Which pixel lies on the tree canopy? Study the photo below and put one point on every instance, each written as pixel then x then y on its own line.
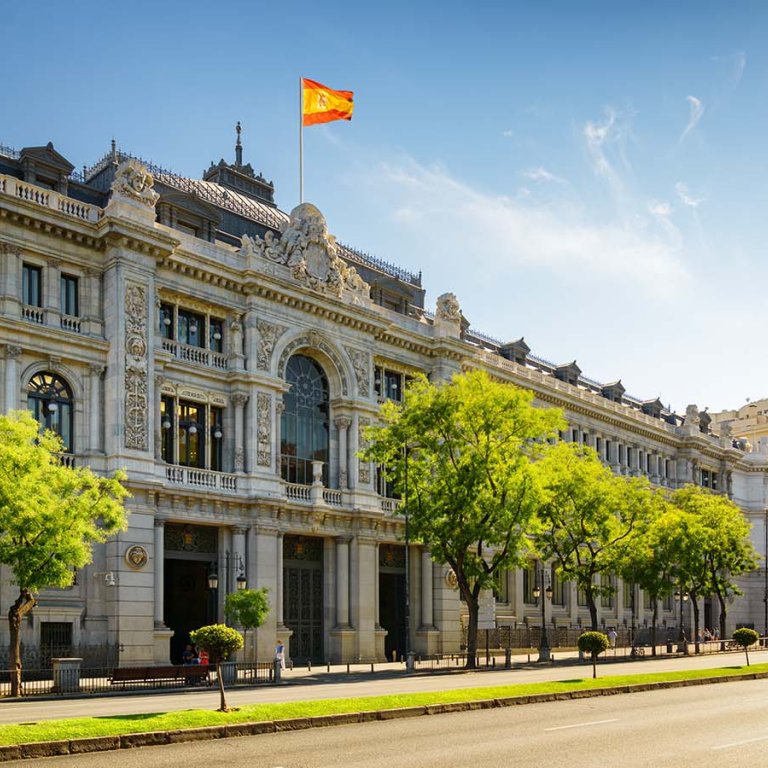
pixel 587 516
pixel 459 453
pixel 50 516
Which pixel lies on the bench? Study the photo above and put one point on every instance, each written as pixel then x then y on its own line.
pixel 191 674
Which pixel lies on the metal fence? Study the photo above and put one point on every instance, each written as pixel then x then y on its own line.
pixel 38 657
pixel 86 680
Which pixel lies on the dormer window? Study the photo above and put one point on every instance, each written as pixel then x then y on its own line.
pixel 569 373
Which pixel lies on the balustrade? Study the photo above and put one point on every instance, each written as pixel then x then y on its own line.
pixel 33 314
pixel 47 198
pixel 200 478
pixel 71 323
pixel 196 355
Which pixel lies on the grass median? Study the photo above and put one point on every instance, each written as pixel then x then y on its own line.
pixel 114 725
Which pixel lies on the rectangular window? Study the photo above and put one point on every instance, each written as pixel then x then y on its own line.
pixel 621 454
pixel 529 582
pixel 32 286
pixel 574 435
pixel 667 602
pixel 629 595
pixel 190 328
pixel 501 585
pixel 606 598
pixel 558 588
pixel 191 434
pixel 599 446
pixel 216 335
pixel 69 296
pixel 581 597
pixel 217 439
pixel 166 321
pixel 648 463
pixel 167 413
pixel 607 450
pixel 393 386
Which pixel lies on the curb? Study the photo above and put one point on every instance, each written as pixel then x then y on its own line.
pixel 155 738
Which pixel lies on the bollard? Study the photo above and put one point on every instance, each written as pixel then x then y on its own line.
pixel 327 666
pixel 493 663
pixel 529 658
pixel 347 668
pixel 309 666
pixel 508 659
pixel 371 667
pixel 278 670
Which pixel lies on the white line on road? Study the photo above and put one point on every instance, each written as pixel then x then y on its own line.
pixel 740 743
pixel 582 725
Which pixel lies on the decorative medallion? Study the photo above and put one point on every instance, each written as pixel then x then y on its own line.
pixel 136 556
pixel 364 467
pixel 391 556
pixel 450 578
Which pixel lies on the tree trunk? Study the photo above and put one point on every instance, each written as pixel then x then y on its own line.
pixel 695 602
pixel 654 619
pixel 723 615
pixel 590 595
pixel 473 608
pixel 23 605
pixel 746 650
pixel 223 705
pixel 594 666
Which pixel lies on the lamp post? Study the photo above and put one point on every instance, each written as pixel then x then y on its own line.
pixel 408 652
pixel 543 595
pixel 682 596
pixel 232 562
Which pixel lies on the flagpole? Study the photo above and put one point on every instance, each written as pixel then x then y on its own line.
pixel 301 142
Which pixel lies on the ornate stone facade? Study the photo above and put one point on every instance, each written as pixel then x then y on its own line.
pixel 264 429
pixel 136 375
pixel 269 333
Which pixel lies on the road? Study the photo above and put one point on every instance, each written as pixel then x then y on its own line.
pixel 724 725
pixel 301 687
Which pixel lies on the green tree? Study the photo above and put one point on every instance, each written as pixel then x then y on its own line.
pixel 50 517
pixel 650 556
pixel 587 516
pixel 221 642
pixel 460 456
pixel 593 643
pixel 746 637
pixel 247 607
pixel 719 534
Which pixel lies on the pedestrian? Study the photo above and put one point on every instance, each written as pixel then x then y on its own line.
pixel 280 654
pixel 612 637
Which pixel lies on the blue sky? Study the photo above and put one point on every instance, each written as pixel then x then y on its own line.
pixel 592 176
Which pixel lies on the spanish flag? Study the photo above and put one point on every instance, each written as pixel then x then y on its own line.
pixel 323 105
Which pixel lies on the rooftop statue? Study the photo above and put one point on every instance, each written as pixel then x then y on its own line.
pixel 135 182
pixel 448 308
pixel 311 253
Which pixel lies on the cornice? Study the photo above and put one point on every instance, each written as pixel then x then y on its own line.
pixel 49 222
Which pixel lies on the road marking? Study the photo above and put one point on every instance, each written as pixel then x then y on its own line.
pixel 741 743
pixel 582 725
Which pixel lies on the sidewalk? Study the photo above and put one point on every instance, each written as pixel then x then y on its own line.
pixel 303 685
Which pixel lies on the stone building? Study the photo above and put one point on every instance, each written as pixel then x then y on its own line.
pixel 229 356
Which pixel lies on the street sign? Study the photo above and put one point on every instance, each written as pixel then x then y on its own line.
pixel 486 617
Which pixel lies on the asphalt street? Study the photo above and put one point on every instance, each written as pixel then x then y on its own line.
pixel 301 685
pixel 723 725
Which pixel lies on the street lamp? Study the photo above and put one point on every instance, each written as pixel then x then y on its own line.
pixel 682 597
pixel 408 652
pixel 544 650
pixel 232 562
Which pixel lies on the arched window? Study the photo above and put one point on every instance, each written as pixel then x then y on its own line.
pixel 304 423
pixel 50 400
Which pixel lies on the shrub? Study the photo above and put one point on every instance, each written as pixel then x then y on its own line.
pixel 593 643
pixel 746 637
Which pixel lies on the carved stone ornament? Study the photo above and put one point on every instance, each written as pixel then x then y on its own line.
pixel 263 429
pixel 134 182
pixel 311 253
pixel 692 416
pixel 269 333
pixel 450 578
pixel 136 556
pixel 448 308
pixel 364 467
pixel 361 362
pixel 313 340
pixel 136 376
pixel 10 250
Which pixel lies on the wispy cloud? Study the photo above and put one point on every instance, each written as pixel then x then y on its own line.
pixel 696 110
pixel 686 198
pixel 540 175
pixel 508 134
pixel 501 233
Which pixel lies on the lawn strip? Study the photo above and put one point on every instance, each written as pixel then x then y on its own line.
pixel 113 725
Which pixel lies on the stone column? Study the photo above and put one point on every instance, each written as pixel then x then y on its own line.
pixel 238 553
pixel 279 586
pixel 276 432
pixel 342 424
pixel 342 582
pixel 159 572
pixel 239 400
pixel 51 290
pixel 12 354
pixel 94 416
pixel 427 620
pixel 159 420
pixel 613 457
